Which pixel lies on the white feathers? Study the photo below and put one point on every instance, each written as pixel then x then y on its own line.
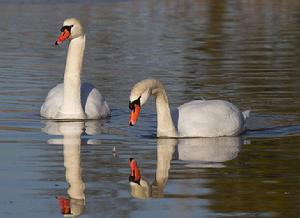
pixel 73 99
pixel 92 102
pixel 200 118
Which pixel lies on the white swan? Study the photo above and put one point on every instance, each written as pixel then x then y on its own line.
pixel 71 99
pixel 200 118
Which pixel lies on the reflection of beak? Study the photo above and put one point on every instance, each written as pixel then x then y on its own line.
pixel 135 175
pixel 134 114
pixel 63 36
pixel 64 205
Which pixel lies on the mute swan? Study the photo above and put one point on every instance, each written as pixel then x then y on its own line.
pixel 73 99
pixel 200 118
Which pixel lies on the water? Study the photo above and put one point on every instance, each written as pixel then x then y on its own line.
pixel 246 52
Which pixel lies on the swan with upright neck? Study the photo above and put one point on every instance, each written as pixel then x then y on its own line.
pixel 199 118
pixel 73 99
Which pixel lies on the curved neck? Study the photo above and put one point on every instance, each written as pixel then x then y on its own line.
pixel 165 150
pixel 72 82
pixel 165 125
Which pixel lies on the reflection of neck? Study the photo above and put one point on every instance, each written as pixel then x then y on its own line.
pixel 72 82
pixel 72 144
pixel 165 150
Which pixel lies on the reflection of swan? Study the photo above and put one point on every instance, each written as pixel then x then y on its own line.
pixel 199 118
pixel 71 99
pixel 71 141
pixel 165 150
pixel 209 152
pixel 200 150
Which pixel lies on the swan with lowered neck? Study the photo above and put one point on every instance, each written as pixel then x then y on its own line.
pixel 199 118
pixel 73 99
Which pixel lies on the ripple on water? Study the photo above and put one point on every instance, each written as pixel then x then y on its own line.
pixel 242 51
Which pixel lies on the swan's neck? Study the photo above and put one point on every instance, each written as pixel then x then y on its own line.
pixel 72 99
pixel 165 125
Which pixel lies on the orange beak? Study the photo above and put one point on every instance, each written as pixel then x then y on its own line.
pixel 135 175
pixel 64 205
pixel 134 114
pixel 62 37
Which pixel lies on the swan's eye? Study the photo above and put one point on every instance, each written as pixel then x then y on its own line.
pixel 131 107
pixel 135 102
pixel 66 28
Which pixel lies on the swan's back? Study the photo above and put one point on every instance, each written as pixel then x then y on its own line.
pixel 93 103
pixel 210 118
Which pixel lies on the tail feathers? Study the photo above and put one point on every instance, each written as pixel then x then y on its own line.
pixel 246 114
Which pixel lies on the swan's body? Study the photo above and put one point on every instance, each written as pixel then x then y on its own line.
pixel 209 118
pixel 73 99
pixel 92 103
pixel 200 118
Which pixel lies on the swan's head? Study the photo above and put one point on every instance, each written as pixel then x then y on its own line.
pixel 71 29
pixel 139 95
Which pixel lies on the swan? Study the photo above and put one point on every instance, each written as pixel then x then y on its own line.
pixel 73 99
pixel 199 118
